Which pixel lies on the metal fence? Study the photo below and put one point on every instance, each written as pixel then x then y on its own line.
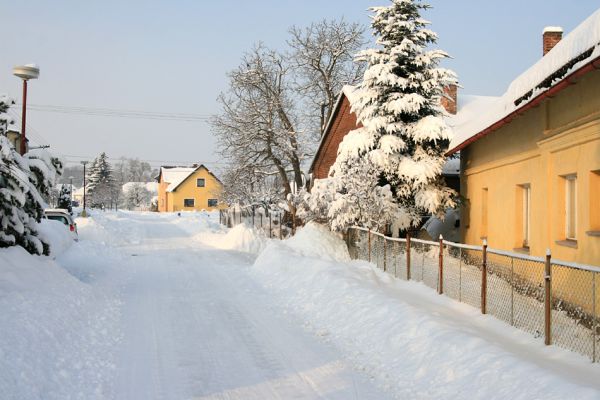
pixel 266 220
pixel 550 299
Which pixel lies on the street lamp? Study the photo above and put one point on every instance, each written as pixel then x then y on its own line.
pixel 84 213
pixel 25 72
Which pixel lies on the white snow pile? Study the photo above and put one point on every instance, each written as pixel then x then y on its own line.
pixel 57 333
pixel 240 238
pixel 315 240
pixel 584 37
pixel 56 234
pixel 411 341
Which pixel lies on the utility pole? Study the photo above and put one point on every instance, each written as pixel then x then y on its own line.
pixel 84 213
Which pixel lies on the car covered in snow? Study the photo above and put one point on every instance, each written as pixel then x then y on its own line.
pixel 63 216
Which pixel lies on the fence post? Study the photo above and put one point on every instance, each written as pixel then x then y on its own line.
pixel 408 256
pixel 270 225
pixel 384 254
pixel 369 245
pixel 484 279
pixel 548 300
pixel 441 267
pixel 253 213
pixel 280 234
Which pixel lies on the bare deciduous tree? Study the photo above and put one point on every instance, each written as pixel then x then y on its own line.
pixel 269 123
pixel 323 57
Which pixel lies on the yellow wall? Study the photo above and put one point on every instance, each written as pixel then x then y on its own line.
pixel 560 137
pixel 174 201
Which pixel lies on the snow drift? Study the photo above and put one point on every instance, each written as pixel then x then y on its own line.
pixel 57 333
pixel 413 342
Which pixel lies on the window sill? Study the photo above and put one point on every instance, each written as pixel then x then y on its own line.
pixel 567 243
pixel 593 233
pixel 522 250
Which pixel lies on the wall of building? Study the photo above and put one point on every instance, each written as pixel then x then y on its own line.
pixel 162 195
pixel 539 148
pixel 344 122
pixel 201 195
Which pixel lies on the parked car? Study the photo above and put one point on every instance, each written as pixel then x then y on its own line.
pixel 58 214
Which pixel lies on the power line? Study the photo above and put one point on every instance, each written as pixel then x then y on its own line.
pixel 31 131
pixel 120 113
pixel 75 158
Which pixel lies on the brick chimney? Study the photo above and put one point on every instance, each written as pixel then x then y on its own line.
pixel 449 99
pixel 552 35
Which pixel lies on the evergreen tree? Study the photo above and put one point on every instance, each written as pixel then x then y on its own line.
pixel 101 187
pixel 398 153
pixel 64 199
pixel 23 182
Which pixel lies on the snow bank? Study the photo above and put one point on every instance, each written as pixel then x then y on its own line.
pixel 56 234
pixel 57 333
pixel 315 240
pixel 240 238
pixel 412 341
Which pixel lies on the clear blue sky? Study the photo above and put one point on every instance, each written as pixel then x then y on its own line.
pixel 172 56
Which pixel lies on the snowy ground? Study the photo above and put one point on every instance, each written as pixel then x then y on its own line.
pixel 150 306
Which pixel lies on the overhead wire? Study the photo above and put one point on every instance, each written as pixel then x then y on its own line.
pixel 31 131
pixel 120 113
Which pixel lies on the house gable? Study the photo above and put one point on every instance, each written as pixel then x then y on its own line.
pixel 188 189
pixel 342 121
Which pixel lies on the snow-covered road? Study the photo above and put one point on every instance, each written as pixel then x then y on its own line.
pixel 195 326
pixel 153 306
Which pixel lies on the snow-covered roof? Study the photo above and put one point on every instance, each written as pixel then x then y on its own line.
pixel 175 176
pixel 577 49
pixel 468 108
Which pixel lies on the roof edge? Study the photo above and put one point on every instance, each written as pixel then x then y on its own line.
pixel 567 81
pixel 336 110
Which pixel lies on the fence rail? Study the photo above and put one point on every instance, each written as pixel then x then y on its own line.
pixel 551 299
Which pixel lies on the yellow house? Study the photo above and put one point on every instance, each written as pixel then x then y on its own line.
pixel 530 164
pixel 188 189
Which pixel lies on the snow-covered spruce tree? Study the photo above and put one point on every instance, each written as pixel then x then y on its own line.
pixel 64 199
pixel 390 169
pixel 101 185
pixel 21 203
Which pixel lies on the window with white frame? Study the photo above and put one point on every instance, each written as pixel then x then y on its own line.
pixel 571 207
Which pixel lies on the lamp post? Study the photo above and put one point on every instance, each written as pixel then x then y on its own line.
pixel 84 213
pixel 25 72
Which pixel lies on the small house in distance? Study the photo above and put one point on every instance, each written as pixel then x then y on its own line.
pixel 530 164
pixel 192 188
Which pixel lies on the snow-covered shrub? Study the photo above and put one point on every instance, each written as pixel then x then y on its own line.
pixel 389 170
pixel 24 181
